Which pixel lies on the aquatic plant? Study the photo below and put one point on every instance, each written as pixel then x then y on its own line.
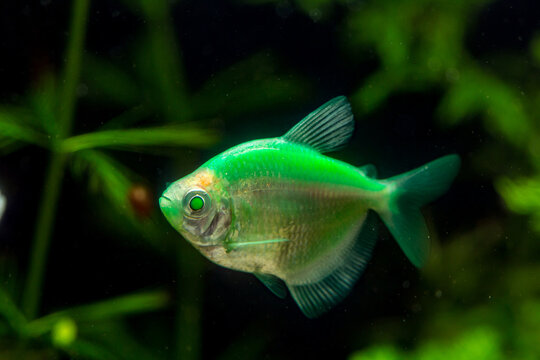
pixel 46 117
pixel 46 120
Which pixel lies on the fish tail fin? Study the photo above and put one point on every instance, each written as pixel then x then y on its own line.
pixel 409 192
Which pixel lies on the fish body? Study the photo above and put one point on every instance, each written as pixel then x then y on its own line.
pixel 276 195
pixel 280 209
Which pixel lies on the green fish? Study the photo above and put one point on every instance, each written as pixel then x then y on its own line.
pixel 297 219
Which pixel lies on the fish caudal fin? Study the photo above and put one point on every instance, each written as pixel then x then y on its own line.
pixel 410 191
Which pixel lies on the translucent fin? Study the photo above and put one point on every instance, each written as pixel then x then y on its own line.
pixel 317 298
pixel 273 283
pixel 257 242
pixel 325 129
pixel 412 190
pixel 369 170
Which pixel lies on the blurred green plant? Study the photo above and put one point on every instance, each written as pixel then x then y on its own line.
pixel 477 344
pixel 421 47
pixel 46 121
pixel 155 90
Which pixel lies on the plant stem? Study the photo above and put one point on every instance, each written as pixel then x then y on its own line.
pixel 167 61
pixel 103 310
pixel 189 299
pixel 53 182
pixel 73 66
pixel 47 210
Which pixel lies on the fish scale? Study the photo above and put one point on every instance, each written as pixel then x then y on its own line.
pixel 297 219
pixel 297 200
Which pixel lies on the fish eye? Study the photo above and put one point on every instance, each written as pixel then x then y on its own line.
pixel 196 202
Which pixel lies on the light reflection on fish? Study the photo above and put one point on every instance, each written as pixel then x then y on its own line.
pixel 281 210
pixel 2 205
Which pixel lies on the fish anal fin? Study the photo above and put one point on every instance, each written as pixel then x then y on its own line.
pixel 273 283
pixel 317 297
pixel 326 129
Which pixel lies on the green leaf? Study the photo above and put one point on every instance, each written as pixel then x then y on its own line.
pixel 114 182
pixel 521 195
pixel 477 92
pixel 17 124
pixel 111 339
pixel 105 175
pixel 480 343
pixel 376 90
pixel 134 139
pixel 10 312
pixel 90 350
pixel 104 310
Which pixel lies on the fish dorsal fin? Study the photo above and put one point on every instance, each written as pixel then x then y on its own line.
pixel 317 297
pixel 326 129
pixel 273 283
pixel 368 170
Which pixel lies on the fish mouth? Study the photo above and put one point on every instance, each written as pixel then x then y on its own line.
pixel 167 208
pixel 164 201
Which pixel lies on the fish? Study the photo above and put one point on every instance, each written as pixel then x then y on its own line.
pixel 297 219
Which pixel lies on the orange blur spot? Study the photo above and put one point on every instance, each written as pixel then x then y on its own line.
pixel 205 178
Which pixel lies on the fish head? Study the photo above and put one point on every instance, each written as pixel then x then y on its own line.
pixel 198 207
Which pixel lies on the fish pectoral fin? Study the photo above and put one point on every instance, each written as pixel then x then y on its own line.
pixel 255 242
pixel 273 283
pixel 326 129
pixel 317 297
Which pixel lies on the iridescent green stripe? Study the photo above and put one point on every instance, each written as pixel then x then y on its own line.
pixel 275 158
